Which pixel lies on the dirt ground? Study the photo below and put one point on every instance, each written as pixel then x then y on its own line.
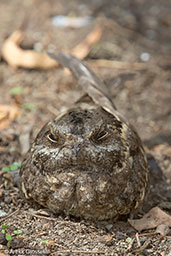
pixel 134 31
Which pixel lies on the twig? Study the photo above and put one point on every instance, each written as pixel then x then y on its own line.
pixel 11 214
pixel 138 240
pixel 41 217
pixel 146 243
pixel 148 234
pixel 130 245
pixel 124 65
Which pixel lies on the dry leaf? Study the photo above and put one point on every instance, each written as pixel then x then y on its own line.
pixel 8 113
pixel 17 57
pixel 163 229
pixel 42 212
pixel 51 243
pixel 83 48
pixel 152 219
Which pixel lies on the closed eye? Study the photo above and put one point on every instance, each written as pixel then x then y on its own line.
pixel 52 138
pixel 101 135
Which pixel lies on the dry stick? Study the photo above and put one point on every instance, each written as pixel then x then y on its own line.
pixel 148 234
pixel 11 214
pixel 146 243
pixel 124 65
pixel 138 240
pixel 119 64
pixel 41 217
pixel 130 245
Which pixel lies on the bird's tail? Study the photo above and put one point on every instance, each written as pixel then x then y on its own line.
pixel 90 83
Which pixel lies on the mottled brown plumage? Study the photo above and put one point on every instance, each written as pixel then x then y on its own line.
pixel 89 161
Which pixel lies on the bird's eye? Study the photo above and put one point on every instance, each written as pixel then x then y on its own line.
pixel 101 135
pixel 52 138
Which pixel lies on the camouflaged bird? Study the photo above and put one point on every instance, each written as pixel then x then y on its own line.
pixel 89 161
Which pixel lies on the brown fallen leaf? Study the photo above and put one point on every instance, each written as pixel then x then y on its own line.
pixel 17 57
pixel 152 219
pixel 8 113
pixel 163 229
pixel 82 49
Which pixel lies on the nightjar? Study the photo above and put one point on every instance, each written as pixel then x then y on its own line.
pixel 89 161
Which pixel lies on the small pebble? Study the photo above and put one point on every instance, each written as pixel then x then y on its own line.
pixel 145 56
pixel 109 227
pixel 2 213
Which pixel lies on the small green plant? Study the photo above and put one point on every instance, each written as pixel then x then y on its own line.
pixel 29 106
pixel 17 90
pixel 6 169
pixel 13 167
pixel 3 228
pixel 17 232
pixel 8 237
pixel 45 241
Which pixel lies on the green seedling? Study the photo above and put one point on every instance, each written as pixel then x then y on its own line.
pixel 17 90
pixel 3 228
pixel 6 169
pixel 45 241
pixel 29 106
pixel 17 232
pixel 8 237
pixel 13 167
